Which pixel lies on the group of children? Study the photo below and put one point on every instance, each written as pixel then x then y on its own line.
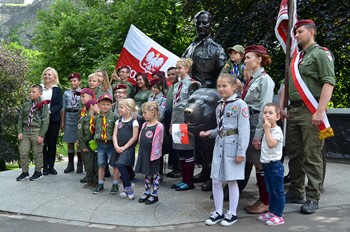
pixel 115 133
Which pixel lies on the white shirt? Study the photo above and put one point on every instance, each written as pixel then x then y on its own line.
pixel 275 153
pixel 47 93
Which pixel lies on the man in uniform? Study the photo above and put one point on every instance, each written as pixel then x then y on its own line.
pixel 316 68
pixel 208 57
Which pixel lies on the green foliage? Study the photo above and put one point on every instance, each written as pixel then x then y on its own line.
pixel 13 67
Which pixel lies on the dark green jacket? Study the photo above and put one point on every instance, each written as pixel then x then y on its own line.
pixel 111 118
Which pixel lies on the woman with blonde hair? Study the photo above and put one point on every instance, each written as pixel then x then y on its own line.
pixel 104 80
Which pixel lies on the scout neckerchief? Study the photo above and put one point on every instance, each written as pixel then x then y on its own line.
pixel 74 101
pixel 179 87
pixel 222 110
pixel 307 97
pixel 92 125
pixel 31 112
pixel 83 110
pixel 104 128
pixel 236 71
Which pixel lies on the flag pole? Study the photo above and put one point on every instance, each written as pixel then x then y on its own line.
pixel 287 62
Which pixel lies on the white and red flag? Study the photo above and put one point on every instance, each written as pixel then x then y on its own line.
pixel 281 28
pixel 180 133
pixel 142 54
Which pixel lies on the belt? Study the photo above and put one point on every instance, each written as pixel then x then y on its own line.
pixel 31 130
pixel 71 110
pixel 300 103
pixel 103 142
pixel 228 132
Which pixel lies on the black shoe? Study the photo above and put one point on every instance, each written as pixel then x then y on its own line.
pixel 84 180
pixel 229 220
pixel 36 176
pixel 70 168
pixel 45 172
pixel 214 218
pixel 23 176
pixel 79 167
pixel 151 200
pixel 52 171
pixel 144 198
pixel 291 198
pixel 309 207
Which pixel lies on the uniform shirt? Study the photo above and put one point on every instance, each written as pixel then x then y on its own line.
pixel 110 120
pixel 70 100
pixel 184 94
pixel 316 68
pixel 275 153
pixel 141 97
pixel 161 100
pixel 229 68
pixel 84 133
pixel 40 118
pixel 98 92
pixel 260 92
pixel 208 59
pixel 169 96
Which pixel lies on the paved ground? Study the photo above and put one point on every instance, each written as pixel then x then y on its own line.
pixel 62 200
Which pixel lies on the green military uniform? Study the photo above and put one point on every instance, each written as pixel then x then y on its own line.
pixel 304 146
pixel 111 118
pixel 229 68
pixel 99 92
pixel 84 137
pixel 38 127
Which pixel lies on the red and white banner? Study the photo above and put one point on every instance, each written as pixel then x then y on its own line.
pixel 180 133
pixel 142 54
pixel 307 97
pixel 281 28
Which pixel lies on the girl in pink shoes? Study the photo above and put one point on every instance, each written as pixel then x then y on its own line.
pixel 150 152
pixel 232 139
pixel 271 154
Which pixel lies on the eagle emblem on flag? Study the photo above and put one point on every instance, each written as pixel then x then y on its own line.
pixel 153 60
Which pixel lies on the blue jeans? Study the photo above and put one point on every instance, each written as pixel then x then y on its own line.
pixel 104 153
pixel 274 173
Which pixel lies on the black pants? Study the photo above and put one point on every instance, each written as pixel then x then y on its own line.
pixel 124 175
pixel 50 141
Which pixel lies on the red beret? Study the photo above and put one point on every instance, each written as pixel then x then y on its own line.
pixel 156 81
pixel 120 86
pixel 123 66
pixel 105 96
pixel 87 91
pixel 304 22
pixel 90 102
pixel 159 73
pixel 255 48
pixel 74 75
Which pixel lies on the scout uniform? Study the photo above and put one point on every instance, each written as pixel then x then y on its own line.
pixel 33 121
pixel 99 93
pixel 71 107
pixel 86 131
pixel 231 140
pixel 304 146
pixel 160 98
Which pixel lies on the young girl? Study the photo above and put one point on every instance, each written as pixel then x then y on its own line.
pixel 150 152
pixel 232 138
pixel 94 83
pixel 185 151
pixel 124 139
pixel 158 96
pixel 105 85
pixel 69 121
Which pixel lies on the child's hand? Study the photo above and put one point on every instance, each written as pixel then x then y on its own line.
pixel 40 139
pixel 267 124
pixel 20 136
pixel 62 126
pixel 204 133
pixel 239 159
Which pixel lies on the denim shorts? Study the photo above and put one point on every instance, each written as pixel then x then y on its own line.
pixel 104 153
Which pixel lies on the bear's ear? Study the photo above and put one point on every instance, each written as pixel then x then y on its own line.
pixel 193 87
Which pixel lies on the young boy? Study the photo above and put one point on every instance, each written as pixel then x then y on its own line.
pixel 104 124
pixel 234 64
pixel 69 121
pixel 271 154
pixel 86 94
pixel 33 122
pixel 86 131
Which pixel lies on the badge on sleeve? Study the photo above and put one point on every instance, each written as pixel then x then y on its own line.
pixel 329 55
pixel 79 126
pixel 245 112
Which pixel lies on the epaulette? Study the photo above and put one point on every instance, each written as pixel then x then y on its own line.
pixel 324 49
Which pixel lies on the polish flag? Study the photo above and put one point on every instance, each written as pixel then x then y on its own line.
pixel 282 26
pixel 180 133
pixel 142 54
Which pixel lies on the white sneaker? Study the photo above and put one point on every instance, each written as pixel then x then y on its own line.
pixel 214 218
pixel 229 219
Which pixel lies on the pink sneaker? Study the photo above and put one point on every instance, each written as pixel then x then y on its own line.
pixel 275 221
pixel 266 216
